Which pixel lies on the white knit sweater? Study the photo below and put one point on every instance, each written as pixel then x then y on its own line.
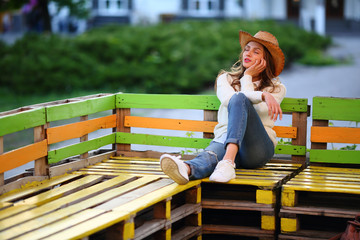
pixel 225 91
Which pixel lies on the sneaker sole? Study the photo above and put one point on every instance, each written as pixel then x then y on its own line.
pixel 170 168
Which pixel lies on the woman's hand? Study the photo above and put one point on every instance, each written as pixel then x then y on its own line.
pixel 257 68
pixel 273 106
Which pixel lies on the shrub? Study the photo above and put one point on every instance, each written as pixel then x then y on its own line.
pixel 181 57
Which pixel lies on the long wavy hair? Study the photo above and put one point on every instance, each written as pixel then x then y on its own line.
pixel 237 72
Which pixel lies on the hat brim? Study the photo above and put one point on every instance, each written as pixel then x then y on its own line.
pixel 275 51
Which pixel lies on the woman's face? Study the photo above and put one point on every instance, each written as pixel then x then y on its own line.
pixel 253 51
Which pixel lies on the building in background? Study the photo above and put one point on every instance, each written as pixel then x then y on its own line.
pixel 321 16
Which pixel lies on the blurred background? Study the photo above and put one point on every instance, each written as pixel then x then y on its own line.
pixel 54 49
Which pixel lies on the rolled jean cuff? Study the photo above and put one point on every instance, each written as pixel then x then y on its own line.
pixel 232 140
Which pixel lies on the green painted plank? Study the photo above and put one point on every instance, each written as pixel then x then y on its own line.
pixel 200 143
pixel 294 105
pixel 167 101
pixel 290 149
pixel 146 139
pixel 80 108
pixel 343 109
pixel 57 155
pixel 334 156
pixel 22 120
pixel 206 102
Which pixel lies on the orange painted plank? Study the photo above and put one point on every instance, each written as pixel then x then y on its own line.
pixel 285 132
pixel 172 124
pixel 79 129
pixel 191 125
pixel 335 134
pixel 20 156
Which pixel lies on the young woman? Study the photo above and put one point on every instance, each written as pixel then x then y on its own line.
pixel 250 96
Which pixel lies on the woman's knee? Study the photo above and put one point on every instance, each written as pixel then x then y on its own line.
pixel 238 99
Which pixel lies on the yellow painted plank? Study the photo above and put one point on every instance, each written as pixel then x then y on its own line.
pixel 129 174
pixel 155 197
pixel 56 204
pixel 252 182
pixel 91 226
pixel 59 191
pixel 124 171
pixel 288 197
pixel 335 134
pixel 340 186
pixel 34 187
pixel 79 129
pixel 134 158
pixel 120 162
pixel 14 210
pixel 265 196
pixel 328 178
pixel 5 205
pixel 331 169
pixel 288 225
pixel 267 222
pixel 323 189
pixel 61 225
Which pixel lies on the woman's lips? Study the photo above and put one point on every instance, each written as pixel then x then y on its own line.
pixel 247 60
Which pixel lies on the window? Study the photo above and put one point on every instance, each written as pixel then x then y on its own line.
pixel 204 7
pixel 113 7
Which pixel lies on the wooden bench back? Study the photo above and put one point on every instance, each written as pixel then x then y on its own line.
pixel 209 104
pixel 326 109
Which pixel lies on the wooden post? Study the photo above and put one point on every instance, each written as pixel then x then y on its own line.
pixel 120 127
pixel 162 210
pixel 84 138
pixel 41 165
pixel 2 181
pixel 319 123
pixel 299 120
pixel 209 115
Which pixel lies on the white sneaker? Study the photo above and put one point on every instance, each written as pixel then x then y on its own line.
pixel 175 168
pixel 224 171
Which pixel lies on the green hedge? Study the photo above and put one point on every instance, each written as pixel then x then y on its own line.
pixel 182 57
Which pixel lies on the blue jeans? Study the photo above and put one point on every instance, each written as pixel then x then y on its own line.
pixel 244 129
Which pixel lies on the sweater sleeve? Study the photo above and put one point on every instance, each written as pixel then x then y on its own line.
pixel 224 91
pixel 247 88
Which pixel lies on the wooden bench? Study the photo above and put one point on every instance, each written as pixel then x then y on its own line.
pixel 318 202
pixel 121 192
pixel 253 192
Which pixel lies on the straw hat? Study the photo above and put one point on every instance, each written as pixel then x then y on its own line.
pixel 270 42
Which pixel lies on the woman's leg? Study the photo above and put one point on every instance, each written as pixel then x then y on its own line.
pixel 247 133
pixel 204 163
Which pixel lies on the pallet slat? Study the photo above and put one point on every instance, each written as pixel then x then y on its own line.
pixel 77 130
pixel 335 134
pixel 334 156
pixel 57 155
pixel 22 120
pixel 326 108
pixel 21 156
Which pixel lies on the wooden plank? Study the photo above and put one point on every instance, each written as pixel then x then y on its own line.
pixel 91 226
pixel 58 192
pixel 167 101
pixel 156 196
pixel 290 149
pixel 76 130
pixel 334 156
pixel 22 120
pixel 209 115
pixel 146 139
pixel 20 156
pixel 294 105
pixel 330 108
pixel 61 225
pixel 299 120
pixel 57 155
pixel 172 124
pixel 41 166
pixel 61 208
pixel 335 134
pixel 121 113
pixel 192 125
pixel 322 188
pixel 1 152
pixel 80 108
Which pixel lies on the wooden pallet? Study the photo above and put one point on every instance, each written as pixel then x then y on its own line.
pixel 76 205
pixel 247 203
pixel 325 195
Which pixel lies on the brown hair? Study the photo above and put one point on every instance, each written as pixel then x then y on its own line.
pixel 237 72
